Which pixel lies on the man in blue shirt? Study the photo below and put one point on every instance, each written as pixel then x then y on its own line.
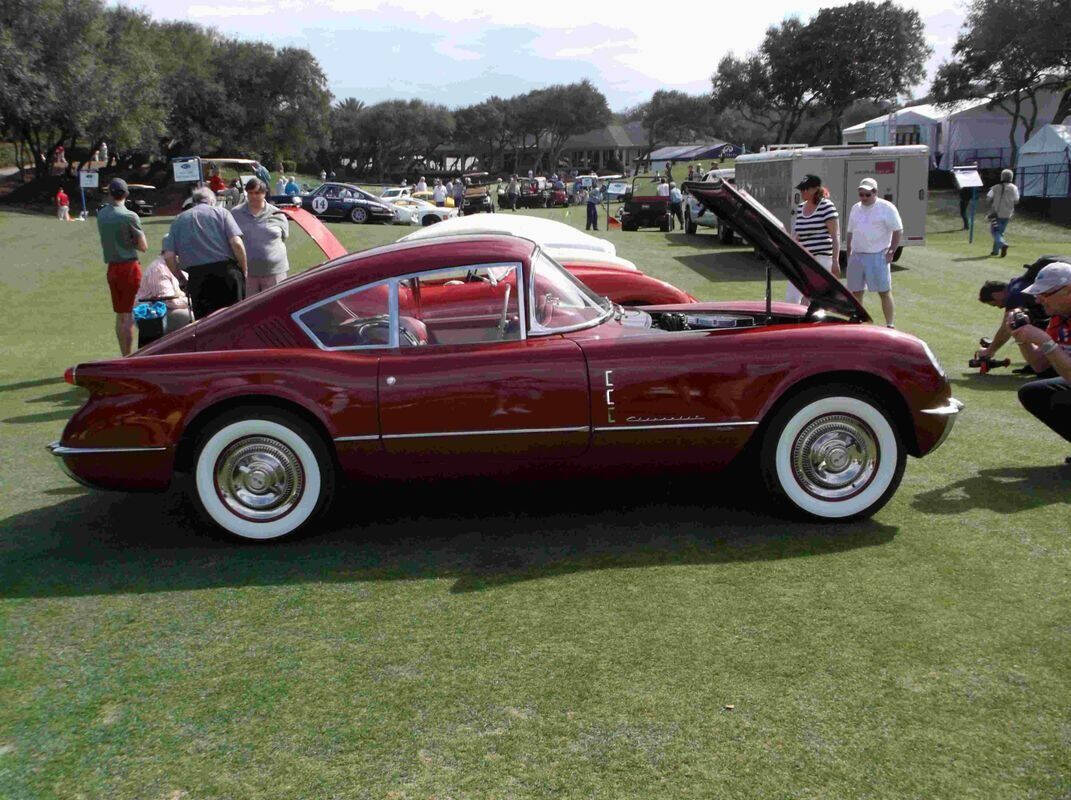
pixel 207 243
pixel 676 200
pixel 594 198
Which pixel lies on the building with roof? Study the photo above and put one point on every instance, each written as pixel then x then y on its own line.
pixel 966 132
pixel 617 143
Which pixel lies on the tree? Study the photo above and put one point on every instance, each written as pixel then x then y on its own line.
pixel 1010 51
pixel 771 88
pixel 571 109
pixel 673 116
pixel 864 51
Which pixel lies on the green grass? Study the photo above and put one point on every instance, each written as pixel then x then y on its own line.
pixel 558 640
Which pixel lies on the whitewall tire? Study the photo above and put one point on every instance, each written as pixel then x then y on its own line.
pixel 833 453
pixel 261 474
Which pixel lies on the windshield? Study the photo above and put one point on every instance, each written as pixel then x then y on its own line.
pixel 558 301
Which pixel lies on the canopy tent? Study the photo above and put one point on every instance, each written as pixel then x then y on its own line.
pixel 1044 161
pixel 686 153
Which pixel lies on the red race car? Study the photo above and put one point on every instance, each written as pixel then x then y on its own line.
pixel 482 356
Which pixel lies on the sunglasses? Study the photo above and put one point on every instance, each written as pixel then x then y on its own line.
pixel 866 194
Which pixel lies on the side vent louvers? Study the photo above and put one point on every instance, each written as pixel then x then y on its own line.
pixel 274 333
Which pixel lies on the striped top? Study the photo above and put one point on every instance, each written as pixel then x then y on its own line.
pixel 812 231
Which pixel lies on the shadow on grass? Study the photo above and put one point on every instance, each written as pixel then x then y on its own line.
pixel 1005 491
pixel 992 382
pixel 479 534
pixel 986 257
pixel 12 387
pixel 727 265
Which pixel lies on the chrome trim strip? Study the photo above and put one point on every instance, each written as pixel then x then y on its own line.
pixel 369 438
pixel 56 449
pixel 745 424
pixel 504 431
pixel 949 409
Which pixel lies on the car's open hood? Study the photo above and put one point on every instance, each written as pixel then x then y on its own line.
pixel 749 218
pixel 317 231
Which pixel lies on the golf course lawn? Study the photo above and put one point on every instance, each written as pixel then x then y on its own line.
pixel 672 638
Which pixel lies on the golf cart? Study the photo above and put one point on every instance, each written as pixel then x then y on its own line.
pixel 478 194
pixel 233 175
pixel 134 203
pixel 645 207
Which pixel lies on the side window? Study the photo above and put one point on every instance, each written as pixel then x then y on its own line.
pixel 330 192
pixel 460 306
pixel 358 319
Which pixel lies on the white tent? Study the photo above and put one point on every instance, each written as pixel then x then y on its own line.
pixel 1044 161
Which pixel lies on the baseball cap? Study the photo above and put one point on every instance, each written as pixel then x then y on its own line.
pixel 809 182
pixel 118 186
pixel 1053 276
pixel 869 184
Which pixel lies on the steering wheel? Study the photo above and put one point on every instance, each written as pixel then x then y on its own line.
pixel 503 323
pixel 545 308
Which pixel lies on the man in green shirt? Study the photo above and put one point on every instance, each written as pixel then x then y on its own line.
pixel 121 238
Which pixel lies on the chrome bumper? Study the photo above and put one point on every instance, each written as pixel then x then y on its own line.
pixel 949 411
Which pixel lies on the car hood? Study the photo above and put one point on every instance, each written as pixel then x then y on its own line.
pixel 749 218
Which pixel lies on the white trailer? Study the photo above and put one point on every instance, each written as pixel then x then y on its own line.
pixel 901 173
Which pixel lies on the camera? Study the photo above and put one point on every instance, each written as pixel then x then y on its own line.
pixel 1019 318
pixel 987 363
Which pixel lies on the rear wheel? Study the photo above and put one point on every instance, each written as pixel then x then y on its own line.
pixel 833 453
pixel 262 474
pixel 664 226
pixel 725 233
pixel 358 214
pixel 429 219
pixel 689 227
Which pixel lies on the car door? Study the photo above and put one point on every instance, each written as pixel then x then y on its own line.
pixel 321 201
pixel 466 383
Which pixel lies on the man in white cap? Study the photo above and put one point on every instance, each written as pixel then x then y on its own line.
pixel 1049 399
pixel 874 231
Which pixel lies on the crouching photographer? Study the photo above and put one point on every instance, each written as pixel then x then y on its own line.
pixel 1007 296
pixel 1049 399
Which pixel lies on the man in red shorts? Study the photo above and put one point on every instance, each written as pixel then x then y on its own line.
pixel 121 238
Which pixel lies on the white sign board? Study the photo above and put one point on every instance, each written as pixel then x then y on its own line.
pixel 89 180
pixel 186 171
pixel 617 188
pixel 967 178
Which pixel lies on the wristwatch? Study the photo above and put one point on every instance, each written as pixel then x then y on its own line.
pixel 1049 347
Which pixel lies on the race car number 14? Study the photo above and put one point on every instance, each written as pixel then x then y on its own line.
pixel 319 204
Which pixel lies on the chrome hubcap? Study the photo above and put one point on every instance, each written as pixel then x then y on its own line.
pixel 835 457
pixel 259 478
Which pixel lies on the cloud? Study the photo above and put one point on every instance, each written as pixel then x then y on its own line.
pixel 450 52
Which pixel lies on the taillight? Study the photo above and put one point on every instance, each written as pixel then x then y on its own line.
pixel 68 375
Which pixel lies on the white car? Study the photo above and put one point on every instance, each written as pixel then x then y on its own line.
pixel 411 211
pixel 392 193
pixel 695 216
pixel 546 232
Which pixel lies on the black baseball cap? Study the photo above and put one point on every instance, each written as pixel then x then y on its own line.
pixel 809 182
pixel 118 187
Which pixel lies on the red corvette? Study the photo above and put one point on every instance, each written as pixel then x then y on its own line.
pixel 481 355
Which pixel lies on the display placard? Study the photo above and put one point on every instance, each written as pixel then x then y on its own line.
pixel 186 170
pixel 89 180
pixel 967 178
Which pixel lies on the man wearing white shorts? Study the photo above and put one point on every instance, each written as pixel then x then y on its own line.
pixel 874 231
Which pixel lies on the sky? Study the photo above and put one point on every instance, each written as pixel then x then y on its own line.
pixel 459 52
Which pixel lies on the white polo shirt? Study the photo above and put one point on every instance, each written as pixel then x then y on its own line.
pixel 872 227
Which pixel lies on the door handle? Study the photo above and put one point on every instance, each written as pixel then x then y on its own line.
pixel 391 380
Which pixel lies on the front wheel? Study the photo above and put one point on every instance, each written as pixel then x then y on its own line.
pixel 358 215
pixel 833 453
pixel 262 474
pixel 689 227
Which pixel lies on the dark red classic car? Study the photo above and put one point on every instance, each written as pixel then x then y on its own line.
pixel 481 355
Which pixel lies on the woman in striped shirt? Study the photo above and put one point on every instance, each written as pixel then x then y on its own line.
pixel 814 226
